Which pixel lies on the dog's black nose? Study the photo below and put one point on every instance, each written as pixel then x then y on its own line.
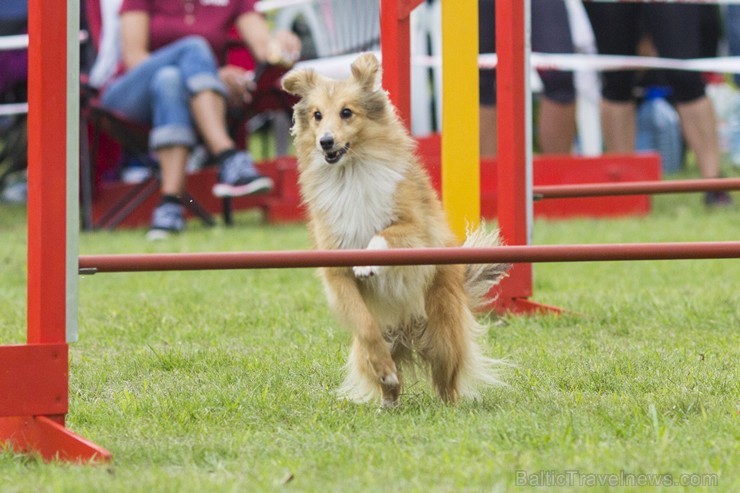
pixel 327 142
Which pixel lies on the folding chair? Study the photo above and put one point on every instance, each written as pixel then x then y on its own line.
pixel 133 140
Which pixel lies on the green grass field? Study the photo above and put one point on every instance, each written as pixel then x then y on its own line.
pixel 224 381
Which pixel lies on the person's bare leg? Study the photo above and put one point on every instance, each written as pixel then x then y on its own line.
pixel 172 161
pixel 700 129
pixel 619 126
pixel 488 131
pixel 209 113
pixel 556 126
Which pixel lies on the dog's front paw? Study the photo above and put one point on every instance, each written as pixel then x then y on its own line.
pixel 366 271
pixel 377 242
pixel 389 379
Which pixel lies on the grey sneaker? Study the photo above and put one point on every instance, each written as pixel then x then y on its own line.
pixel 167 218
pixel 15 193
pixel 238 177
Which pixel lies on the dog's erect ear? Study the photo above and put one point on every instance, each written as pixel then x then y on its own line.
pixel 299 82
pixel 366 71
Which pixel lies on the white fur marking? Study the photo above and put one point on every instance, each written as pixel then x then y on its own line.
pixel 355 199
pixel 376 243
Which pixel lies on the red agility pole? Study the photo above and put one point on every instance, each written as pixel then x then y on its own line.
pixel 34 376
pixel 395 26
pixel 514 143
pixel 90 264
pixel 634 188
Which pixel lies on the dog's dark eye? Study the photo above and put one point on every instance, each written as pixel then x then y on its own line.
pixel 317 116
pixel 345 113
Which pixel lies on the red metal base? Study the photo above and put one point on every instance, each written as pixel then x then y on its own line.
pixel 523 306
pixel 33 379
pixel 34 389
pixel 47 436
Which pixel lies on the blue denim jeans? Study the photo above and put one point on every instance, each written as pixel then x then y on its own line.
pixel 158 90
pixel 732 19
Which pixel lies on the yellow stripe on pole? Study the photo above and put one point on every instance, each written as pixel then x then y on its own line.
pixel 460 146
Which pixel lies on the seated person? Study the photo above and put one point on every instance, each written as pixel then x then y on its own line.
pixel 172 79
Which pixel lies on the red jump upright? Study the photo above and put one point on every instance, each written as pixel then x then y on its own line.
pixel 34 376
pixel 395 25
pixel 514 169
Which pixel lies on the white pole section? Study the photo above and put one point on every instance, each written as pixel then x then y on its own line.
pixel 73 166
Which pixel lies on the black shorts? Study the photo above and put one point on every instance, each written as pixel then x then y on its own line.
pixel 675 31
pixel 550 34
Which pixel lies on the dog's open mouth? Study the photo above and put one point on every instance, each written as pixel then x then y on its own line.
pixel 334 156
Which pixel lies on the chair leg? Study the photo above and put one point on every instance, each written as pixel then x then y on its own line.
pixel 86 177
pixel 227 211
pixel 127 204
pixel 197 209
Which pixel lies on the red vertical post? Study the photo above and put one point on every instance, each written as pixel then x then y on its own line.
pixel 512 142
pixel 35 388
pixel 47 201
pixel 395 46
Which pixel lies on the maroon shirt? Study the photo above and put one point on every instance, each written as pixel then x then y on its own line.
pixel 171 20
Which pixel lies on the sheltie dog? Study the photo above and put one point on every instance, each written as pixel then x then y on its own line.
pixel 363 187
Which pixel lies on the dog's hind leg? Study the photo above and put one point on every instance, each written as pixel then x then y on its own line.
pixel 444 344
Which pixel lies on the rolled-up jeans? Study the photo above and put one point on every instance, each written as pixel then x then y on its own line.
pixel 157 92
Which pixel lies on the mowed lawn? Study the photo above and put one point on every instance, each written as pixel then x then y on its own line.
pixel 224 380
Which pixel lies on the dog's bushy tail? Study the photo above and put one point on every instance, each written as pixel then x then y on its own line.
pixel 480 278
pixel 478 370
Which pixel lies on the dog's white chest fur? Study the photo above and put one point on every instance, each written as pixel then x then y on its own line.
pixel 355 201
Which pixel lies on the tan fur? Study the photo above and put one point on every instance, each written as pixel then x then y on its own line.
pixel 377 195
